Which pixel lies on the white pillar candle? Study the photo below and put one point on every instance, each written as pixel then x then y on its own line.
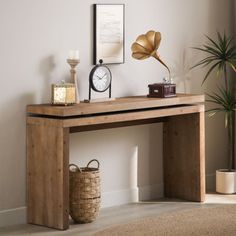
pixel 74 54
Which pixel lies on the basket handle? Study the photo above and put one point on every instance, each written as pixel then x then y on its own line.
pixel 93 161
pixel 76 168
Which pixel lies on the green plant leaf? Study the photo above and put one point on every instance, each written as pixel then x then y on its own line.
pixel 221 40
pixel 204 62
pixel 214 111
pixel 221 55
pixel 212 51
pixel 201 49
pixel 232 66
pixel 227 41
pixel 226 119
pixel 230 51
pixel 224 99
pixel 213 42
pixel 209 71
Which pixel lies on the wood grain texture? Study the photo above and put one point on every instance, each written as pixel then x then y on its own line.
pixel 48 129
pixel 184 157
pixel 131 116
pixel 115 125
pixel 47 175
pixel 119 104
pixel 116 118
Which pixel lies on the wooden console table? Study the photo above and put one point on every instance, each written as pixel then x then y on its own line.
pixel 48 129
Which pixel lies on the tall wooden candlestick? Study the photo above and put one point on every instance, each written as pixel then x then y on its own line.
pixel 73 63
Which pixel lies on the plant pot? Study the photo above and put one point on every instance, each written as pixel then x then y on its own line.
pixel 225 181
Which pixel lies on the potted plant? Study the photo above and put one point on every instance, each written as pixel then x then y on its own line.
pixel 220 57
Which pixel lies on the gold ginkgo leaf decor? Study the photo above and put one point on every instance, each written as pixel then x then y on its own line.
pixel 146 45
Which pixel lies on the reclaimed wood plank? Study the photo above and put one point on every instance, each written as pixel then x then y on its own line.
pixel 184 157
pixel 119 104
pixel 47 176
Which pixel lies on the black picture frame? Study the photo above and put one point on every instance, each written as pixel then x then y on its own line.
pixel 109 33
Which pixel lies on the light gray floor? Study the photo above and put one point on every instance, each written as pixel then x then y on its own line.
pixel 119 215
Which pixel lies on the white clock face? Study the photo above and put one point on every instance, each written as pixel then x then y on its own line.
pixel 101 78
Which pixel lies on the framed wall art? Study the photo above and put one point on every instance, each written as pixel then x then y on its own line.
pixel 109 33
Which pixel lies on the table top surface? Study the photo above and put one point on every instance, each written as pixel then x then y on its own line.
pixel 117 105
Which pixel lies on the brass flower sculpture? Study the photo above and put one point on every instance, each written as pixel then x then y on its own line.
pixel 146 45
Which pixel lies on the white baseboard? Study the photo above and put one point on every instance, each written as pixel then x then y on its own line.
pixel 119 197
pixel 211 182
pixel 125 196
pixel 18 215
pixel 151 192
pixel 13 216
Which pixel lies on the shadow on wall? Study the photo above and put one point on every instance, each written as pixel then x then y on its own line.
pixel 156 160
pixel 13 137
pixel 181 72
pixel 46 68
pixel 13 151
pixel 150 164
pixel 91 34
pixel 233 9
pixel 215 17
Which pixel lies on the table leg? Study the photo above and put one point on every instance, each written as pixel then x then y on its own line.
pixel 184 157
pixel 47 175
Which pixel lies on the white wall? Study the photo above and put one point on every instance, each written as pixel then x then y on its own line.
pixel 35 39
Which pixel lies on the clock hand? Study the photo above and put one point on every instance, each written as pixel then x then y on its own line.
pixel 103 76
pixel 99 77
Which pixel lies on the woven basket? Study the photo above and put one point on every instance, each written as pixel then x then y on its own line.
pixel 85 192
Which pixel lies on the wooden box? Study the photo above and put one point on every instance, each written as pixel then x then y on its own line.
pixel 162 90
pixel 63 94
